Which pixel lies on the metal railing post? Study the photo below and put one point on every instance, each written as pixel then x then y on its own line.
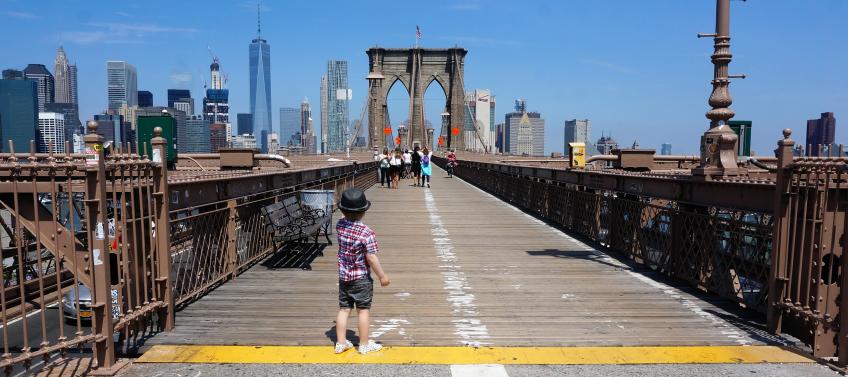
pixel 232 239
pixel 98 248
pixel 163 228
pixel 780 246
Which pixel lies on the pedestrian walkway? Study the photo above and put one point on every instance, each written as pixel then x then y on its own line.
pixel 467 270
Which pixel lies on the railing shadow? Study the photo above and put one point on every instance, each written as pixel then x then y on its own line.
pixel 293 255
pixel 573 254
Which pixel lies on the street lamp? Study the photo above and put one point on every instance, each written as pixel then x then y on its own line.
pixel 445 133
pixel 718 144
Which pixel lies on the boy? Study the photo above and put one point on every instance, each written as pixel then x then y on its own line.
pixel 357 256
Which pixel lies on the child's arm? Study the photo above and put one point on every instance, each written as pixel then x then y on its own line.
pixel 374 262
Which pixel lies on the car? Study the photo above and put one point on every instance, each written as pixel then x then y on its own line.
pixel 69 303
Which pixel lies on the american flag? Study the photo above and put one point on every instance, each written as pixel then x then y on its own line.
pixel 417 32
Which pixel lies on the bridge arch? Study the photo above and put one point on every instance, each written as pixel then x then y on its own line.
pixel 416 68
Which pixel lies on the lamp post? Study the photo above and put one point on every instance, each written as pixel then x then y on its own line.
pixel 445 126
pixel 718 144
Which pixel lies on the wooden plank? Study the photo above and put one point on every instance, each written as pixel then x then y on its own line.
pixel 458 257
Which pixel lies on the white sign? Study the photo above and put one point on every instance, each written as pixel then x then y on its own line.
pixel 157 155
pixel 96 255
pixel 98 231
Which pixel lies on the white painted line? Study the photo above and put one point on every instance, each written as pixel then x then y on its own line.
pixel 727 329
pixel 30 314
pixel 480 370
pixel 463 306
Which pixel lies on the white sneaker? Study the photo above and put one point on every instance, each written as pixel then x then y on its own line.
pixel 370 347
pixel 343 347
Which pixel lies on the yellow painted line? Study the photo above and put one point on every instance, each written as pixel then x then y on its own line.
pixel 469 355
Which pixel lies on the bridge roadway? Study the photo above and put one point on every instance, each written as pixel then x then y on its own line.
pixel 467 269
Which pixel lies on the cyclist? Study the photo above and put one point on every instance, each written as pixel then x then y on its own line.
pixel 451 162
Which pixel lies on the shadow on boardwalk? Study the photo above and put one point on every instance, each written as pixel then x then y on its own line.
pixel 295 256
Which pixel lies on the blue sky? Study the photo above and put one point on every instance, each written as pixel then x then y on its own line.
pixel 634 68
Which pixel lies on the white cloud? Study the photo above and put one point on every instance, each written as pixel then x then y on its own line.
pixel 120 33
pixel 472 40
pixel 124 29
pixel 179 78
pixel 21 15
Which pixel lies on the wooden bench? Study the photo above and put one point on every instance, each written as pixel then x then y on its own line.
pixel 289 221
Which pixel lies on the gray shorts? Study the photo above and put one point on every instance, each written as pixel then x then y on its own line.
pixel 358 292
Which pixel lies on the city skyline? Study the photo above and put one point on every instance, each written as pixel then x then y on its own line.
pixel 613 81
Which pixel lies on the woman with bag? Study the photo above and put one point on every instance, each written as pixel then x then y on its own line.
pixel 426 168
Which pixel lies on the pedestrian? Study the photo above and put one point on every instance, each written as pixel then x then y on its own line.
pixel 377 158
pixel 407 164
pixel 384 168
pixel 426 167
pixel 357 257
pixel 395 166
pixel 416 165
pixel 452 163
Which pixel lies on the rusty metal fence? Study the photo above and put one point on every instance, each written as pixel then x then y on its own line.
pixel 94 259
pixel 809 268
pixel 214 242
pixel 721 250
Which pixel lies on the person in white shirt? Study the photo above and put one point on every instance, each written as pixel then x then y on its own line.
pixel 407 164
pixel 395 164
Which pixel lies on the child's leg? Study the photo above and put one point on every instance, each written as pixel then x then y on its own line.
pixel 341 325
pixel 363 321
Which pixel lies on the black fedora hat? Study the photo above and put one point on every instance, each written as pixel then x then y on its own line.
pixel 353 200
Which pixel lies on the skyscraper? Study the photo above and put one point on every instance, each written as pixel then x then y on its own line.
pixel 525 131
pixel 577 131
pixel 45 83
pixel 307 130
pixel 324 118
pixel 180 99
pixel 13 74
pixel 51 132
pixel 145 98
pixel 666 149
pixel 65 94
pixel 245 123
pixel 260 86
pixel 197 138
pixel 820 133
pixel 480 120
pixel 216 104
pixel 338 98
pixel 18 113
pixel 122 84
pixel 290 126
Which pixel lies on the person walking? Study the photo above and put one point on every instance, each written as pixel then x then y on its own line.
pixel 395 166
pixel 416 165
pixel 407 164
pixel 357 258
pixel 426 166
pixel 384 168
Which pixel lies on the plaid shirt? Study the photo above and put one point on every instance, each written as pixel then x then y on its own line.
pixel 355 240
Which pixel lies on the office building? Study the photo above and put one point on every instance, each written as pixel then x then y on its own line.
pixel 338 98
pixel 70 111
pixel 820 134
pixel 260 87
pixel 606 144
pixel 112 127
pixel 180 99
pixel 13 74
pixel 122 84
pixel 217 136
pixel 51 133
pixel 577 131
pixel 18 114
pixel 290 124
pixel 145 98
pixel 666 149
pixel 244 141
pixel 216 107
pixel 307 130
pixel 65 78
pixel 245 123
pixel 197 139
pixel 500 137
pixel 45 83
pixel 479 121
pixel 324 119
pixel 525 131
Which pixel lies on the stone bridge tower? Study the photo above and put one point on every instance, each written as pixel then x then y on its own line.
pixel 416 69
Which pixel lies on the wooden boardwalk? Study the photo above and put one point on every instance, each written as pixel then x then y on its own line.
pixel 466 268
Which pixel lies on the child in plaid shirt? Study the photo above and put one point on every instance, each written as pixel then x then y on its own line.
pixel 357 257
